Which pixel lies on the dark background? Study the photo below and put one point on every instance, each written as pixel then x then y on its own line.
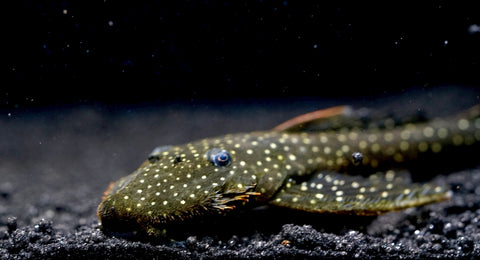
pixel 89 89
pixel 131 51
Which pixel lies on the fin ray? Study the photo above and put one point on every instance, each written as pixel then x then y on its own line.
pixel 345 194
pixel 320 116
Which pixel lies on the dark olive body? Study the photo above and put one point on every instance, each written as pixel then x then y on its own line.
pixel 290 166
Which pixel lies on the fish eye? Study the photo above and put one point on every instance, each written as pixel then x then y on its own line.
pixel 218 157
pixel 357 158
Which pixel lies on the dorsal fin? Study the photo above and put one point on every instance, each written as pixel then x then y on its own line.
pixel 345 117
pixel 318 118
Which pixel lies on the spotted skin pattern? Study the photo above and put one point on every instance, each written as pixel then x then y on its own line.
pixel 286 167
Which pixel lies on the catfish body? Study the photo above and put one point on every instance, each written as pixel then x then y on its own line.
pixel 287 167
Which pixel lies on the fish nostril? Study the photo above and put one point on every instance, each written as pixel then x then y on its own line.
pixel 177 159
pixel 153 158
pixel 155 154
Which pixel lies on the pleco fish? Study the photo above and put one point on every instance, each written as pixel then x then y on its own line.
pixel 327 161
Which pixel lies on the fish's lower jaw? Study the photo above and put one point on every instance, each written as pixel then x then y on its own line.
pixel 127 228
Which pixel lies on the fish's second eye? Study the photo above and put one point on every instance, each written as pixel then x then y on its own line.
pixel 218 157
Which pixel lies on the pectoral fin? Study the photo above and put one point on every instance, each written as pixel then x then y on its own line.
pixel 344 194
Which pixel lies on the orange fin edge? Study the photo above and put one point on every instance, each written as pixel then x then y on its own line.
pixel 311 116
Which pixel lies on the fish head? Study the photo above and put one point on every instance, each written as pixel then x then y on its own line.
pixel 173 185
